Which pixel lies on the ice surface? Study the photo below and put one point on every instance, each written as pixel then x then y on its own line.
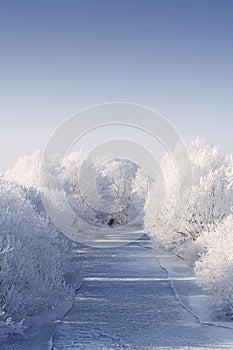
pixel 136 298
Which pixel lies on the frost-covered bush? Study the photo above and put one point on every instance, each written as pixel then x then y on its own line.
pixel 35 261
pixel 214 269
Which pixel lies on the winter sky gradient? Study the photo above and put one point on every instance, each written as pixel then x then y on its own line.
pixel 58 57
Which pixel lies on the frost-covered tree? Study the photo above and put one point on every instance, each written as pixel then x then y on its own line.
pixel 26 171
pixel 123 182
pixel 119 181
pixel 139 196
pixel 205 200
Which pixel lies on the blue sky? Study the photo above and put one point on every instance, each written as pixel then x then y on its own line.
pixel 58 57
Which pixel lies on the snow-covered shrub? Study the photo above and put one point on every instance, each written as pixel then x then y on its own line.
pixel 34 259
pixel 214 269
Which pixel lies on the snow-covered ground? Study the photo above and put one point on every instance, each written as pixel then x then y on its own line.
pixel 136 297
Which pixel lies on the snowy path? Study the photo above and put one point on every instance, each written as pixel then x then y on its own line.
pixel 127 302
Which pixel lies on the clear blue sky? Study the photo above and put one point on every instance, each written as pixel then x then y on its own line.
pixel 58 56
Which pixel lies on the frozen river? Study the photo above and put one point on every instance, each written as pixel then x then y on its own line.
pixel 127 301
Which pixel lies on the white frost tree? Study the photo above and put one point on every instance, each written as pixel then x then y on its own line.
pixel 206 200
